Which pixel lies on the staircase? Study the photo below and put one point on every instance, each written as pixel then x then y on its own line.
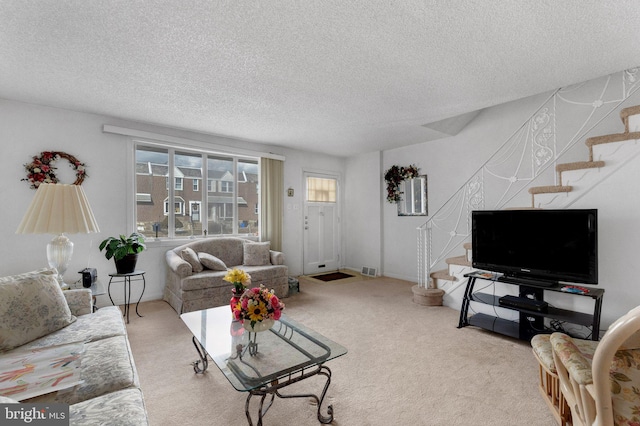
pixel 579 177
pixel 547 183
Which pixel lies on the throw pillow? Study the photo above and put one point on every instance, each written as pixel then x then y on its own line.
pixel 211 262
pixel 31 307
pixel 257 254
pixel 42 271
pixel 190 256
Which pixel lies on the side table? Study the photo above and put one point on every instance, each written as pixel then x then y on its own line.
pixel 126 279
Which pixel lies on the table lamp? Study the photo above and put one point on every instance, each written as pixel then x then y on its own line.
pixel 59 209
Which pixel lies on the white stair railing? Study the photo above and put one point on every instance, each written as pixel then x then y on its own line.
pixel 528 156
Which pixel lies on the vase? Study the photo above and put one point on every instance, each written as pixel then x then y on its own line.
pixel 233 302
pixel 259 326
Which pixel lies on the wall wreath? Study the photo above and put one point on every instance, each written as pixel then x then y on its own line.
pixel 394 176
pixel 42 169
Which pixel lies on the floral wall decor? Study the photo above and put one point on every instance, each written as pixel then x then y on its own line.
pixel 394 176
pixel 42 168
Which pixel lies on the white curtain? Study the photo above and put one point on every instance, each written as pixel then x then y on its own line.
pixel 271 201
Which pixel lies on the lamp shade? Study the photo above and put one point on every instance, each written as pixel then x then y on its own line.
pixel 57 209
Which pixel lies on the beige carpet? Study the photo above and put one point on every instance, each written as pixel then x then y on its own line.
pixel 407 365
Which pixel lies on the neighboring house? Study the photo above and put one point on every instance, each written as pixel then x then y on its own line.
pixel 152 199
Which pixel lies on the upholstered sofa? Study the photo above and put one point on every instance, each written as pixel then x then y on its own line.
pixel 195 271
pixel 36 315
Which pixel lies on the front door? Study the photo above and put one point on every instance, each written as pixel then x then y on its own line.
pixel 321 224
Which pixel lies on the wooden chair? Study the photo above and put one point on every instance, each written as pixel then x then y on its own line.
pixel 605 390
pixel 549 386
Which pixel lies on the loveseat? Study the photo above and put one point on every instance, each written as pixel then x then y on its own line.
pixel 36 316
pixel 195 271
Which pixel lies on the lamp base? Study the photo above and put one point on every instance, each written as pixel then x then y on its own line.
pixel 59 251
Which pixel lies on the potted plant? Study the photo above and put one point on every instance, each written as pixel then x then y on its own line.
pixel 124 251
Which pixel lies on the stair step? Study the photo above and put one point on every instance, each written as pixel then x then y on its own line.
pixel 551 189
pixel 458 260
pixel 615 137
pixel 467 246
pixel 626 113
pixel 442 275
pixel 578 165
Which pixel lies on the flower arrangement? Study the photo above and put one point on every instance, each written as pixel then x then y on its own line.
pixel 240 280
pixel 394 176
pixel 42 170
pixel 258 304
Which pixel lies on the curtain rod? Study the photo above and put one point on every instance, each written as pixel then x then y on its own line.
pixel 224 149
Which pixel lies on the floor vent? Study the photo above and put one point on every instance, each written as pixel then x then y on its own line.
pixel 370 272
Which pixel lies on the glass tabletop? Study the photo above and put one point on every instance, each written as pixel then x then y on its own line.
pixel 97 288
pixel 251 360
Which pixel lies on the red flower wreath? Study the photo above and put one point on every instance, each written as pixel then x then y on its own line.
pixel 42 170
pixel 394 176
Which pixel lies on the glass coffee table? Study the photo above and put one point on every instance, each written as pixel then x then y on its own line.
pixel 263 363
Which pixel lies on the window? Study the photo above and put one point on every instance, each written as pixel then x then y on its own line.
pixel 177 185
pixel 247 195
pixel 178 206
pixel 232 186
pixel 321 190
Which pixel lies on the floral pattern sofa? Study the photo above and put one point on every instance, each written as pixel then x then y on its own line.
pixel 195 271
pixel 624 373
pixel 36 313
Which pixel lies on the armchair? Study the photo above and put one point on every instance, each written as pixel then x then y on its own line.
pixel 605 390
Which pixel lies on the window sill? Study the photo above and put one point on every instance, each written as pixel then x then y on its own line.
pixel 174 242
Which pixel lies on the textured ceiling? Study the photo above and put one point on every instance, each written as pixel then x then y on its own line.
pixel 335 76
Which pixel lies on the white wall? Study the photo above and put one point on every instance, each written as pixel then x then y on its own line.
pixel 26 130
pixel 363 212
pixel 448 163
pixel 618 204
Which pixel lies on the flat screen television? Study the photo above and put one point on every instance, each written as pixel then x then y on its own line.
pixel 547 245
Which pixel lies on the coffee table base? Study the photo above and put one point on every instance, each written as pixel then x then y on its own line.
pixel 203 358
pixel 273 389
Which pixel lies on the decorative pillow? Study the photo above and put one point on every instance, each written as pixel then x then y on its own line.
pixel 31 307
pixel 190 256
pixel 42 271
pixel 257 254
pixel 209 261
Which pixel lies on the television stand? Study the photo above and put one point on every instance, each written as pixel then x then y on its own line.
pixel 527 281
pixel 531 320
